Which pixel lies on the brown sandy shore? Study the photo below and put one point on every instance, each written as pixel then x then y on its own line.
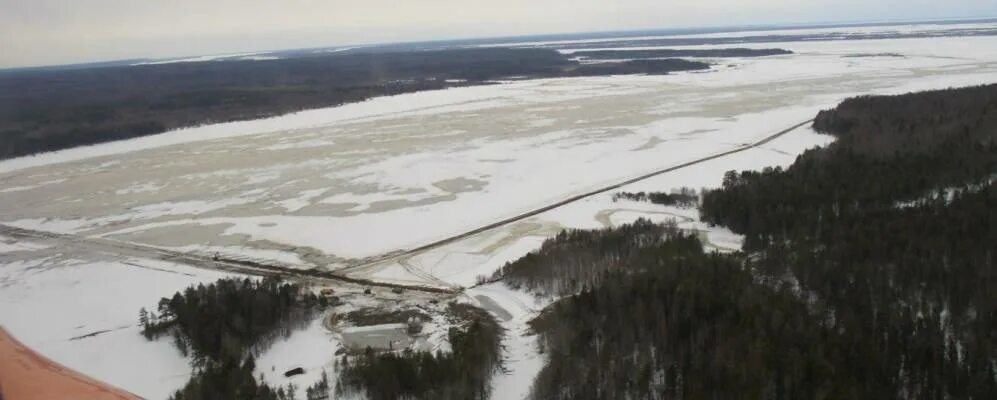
pixel 26 375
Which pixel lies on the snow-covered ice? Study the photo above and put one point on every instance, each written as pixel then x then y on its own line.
pixel 330 188
pixel 831 33
pixel 398 172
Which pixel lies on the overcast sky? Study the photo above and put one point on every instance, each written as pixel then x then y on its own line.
pixel 42 32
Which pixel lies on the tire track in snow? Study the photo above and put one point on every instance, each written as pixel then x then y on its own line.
pixel 519 217
pixel 253 267
pixel 240 266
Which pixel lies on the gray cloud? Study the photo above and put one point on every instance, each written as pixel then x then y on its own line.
pixel 34 32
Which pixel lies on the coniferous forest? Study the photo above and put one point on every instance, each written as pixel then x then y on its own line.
pixel 867 272
pixel 224 325
pixel 221 326
pixel 684 197
pixel 463 373
pixel 51 109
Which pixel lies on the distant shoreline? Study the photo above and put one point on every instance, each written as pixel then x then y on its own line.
pixel 621 34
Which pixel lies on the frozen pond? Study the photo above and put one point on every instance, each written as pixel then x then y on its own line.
pixel 377 337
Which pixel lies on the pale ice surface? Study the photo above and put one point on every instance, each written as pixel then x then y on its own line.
pixel 214 57
pixel 834 33
pixel 327 188
pixel 10 245
pixel 398 172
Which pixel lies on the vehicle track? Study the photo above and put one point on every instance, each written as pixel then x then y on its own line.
pixel 260 268
pixel 519 217
pixel 241 266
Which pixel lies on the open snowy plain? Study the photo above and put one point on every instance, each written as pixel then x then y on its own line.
pixel 344 189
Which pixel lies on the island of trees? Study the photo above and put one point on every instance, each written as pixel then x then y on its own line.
pixel 682 198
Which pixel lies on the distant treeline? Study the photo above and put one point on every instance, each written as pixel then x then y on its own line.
pixel 463 373
pixel 45 110
pixel 762 37
pixel 649 67
pixel 669 53
pixel 222 326
pixel 869 273
pixel 684 197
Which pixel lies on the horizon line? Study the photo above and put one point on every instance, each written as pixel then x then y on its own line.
pixel 497 39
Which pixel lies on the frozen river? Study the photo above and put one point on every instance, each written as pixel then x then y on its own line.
pixel 328 188
pixel 331 188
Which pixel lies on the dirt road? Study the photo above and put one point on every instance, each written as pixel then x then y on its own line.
pixel 572 199
pixel 347 275
pixel 247 267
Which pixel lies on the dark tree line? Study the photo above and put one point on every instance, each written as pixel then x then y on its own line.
pixel 869 273
pixel 577 258
pixel 229 380
pixel 684 197
pixel 52 109
pixel 889 149
pixel 45 110
pixel 464 373
pixel 663 53
pixel 319 390
pixel 631 67
pixel 891 230
pixel 223 325
pixel 683 324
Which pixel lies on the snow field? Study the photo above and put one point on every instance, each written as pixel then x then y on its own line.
pixel 326 188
